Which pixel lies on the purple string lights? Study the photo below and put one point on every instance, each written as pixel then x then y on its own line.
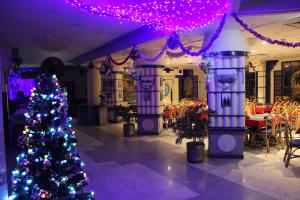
pixel 163 15
pixel 264 38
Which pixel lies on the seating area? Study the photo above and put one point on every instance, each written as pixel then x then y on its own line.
pixel 274 125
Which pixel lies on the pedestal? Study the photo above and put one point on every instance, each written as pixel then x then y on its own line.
pixel 226 143
pixel 149 124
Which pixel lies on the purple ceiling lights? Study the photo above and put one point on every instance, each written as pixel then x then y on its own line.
pixel 164 15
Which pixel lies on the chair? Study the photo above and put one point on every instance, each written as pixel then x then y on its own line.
pixel 280 110
pixel 292 145
pixel 250 109
pixel 271 130
pixel 295 119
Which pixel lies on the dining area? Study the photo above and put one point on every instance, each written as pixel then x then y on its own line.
pixel 273 127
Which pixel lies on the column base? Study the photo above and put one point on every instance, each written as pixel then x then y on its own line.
pixel 149 124
pixel 226 142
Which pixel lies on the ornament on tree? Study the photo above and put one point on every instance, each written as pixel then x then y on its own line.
pixel 48 167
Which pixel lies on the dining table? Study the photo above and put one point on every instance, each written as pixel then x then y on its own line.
pixel 260 109
pixel 256 122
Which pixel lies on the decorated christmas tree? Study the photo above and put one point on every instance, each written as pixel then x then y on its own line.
pixel 49 167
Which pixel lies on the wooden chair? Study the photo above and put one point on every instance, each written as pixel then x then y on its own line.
pixel 271 130
pixel 250 109
pixel 292 145
pixel 280 110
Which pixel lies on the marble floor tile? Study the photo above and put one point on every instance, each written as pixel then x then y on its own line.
pixel 154 167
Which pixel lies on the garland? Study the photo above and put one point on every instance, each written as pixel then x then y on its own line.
pixel 209 44
pixel 158 56
pixel 130 55
pixel 176 54
pixel 264 38
pixel 173 43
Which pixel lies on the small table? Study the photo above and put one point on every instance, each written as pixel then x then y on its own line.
pixel 255 123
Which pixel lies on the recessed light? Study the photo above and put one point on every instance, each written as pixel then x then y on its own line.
pixel 253 51
pixel 264 42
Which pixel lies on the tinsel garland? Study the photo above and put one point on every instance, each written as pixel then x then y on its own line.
pixel 130 55
pixel 176 54
pixel 158 56
pixel 264 38
pixel 209 44
pixel 173 43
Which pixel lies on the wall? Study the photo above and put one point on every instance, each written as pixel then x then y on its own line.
pixel 5 61
pixel 278 67
pixel 172 79
pixel 79 80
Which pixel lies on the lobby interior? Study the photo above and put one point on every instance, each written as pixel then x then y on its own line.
pixel 129 79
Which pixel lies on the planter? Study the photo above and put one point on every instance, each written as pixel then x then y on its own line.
pixel 111 117
pixel 195 152
pixel 128 129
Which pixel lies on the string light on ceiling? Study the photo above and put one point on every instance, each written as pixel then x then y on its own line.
pixel 163 15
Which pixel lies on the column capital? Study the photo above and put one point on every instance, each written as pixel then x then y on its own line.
pixel 228 40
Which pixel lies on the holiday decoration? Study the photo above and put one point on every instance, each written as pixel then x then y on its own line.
pixel 166 15
pixel 48 166
pixel 15 83
pixel 264 38
pixel 130 55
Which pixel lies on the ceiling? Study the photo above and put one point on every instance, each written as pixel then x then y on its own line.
pixel 52 28
pixel 276 26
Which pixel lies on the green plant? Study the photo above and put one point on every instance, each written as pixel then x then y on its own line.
pixel 193 126
pixel 126 113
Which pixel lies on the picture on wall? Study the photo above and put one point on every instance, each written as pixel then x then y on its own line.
pixel 188 85
pixel 295 85
pixel 129 89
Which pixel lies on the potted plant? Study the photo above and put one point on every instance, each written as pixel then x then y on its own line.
pixel 113 115
pixel 128 115
pixel 193 126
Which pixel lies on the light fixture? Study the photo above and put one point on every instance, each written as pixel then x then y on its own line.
pixel 264 42
pixel 253 51
pixel 167 15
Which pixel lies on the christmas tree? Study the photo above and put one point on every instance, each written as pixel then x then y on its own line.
pixel 48 167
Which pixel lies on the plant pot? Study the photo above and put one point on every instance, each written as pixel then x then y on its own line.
pixel 195 152
pixel 128 129
pixel 111 117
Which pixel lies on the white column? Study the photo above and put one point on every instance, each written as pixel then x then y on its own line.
pixel 226 94
pixel 93 87
pixel 149 96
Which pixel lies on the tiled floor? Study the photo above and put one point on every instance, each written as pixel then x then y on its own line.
pixel 153 167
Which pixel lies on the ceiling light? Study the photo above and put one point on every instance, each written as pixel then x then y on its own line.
pixel 253 51
pixel 264 42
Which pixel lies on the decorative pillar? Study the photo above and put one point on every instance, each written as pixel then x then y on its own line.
pixel 149 96
pixel 113 86
pixel 5 63
pixel 269 67
pixel 226 94
pixel 93 86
